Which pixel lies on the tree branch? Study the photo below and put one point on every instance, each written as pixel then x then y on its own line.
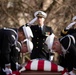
pixel 3 8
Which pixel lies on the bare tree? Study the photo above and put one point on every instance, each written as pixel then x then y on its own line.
pixel 14 13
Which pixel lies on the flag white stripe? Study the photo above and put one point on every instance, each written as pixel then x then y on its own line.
pixel 47 66
pixel 34 65
pixel 60 68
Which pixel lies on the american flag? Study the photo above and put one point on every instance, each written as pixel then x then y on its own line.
pixel 44 65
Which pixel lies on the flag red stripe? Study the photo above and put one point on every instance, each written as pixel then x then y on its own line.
pixel 28 66
pixel 41 65
pixel 54 67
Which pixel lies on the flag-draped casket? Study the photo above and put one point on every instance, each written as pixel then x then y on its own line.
pixel 42 67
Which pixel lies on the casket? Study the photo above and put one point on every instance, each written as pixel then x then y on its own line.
pixel 42 67
pixel 40 73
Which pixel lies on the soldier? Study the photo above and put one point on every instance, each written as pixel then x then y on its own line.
pixel 26 49
pixel 40 32
pixel 9 47
pixel 71 28
pixel 66 48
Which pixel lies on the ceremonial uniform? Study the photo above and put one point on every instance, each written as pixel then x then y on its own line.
pixel 40 49
pixel 66 48
pixel 10 45
pixel 68 58
pixel 9 48
pixel 15 55
pixel 40 32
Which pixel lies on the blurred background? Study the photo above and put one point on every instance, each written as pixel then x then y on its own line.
pixel 14 13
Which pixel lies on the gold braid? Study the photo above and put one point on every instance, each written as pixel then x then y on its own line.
pixel 64 32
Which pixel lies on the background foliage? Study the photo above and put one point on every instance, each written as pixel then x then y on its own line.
pixel 14 13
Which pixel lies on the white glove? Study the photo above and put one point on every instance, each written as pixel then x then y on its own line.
pixel 22 69
pixel 32 21
pixel 7 71
pixel 17 66
pixel 70 25
pixel 72 73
